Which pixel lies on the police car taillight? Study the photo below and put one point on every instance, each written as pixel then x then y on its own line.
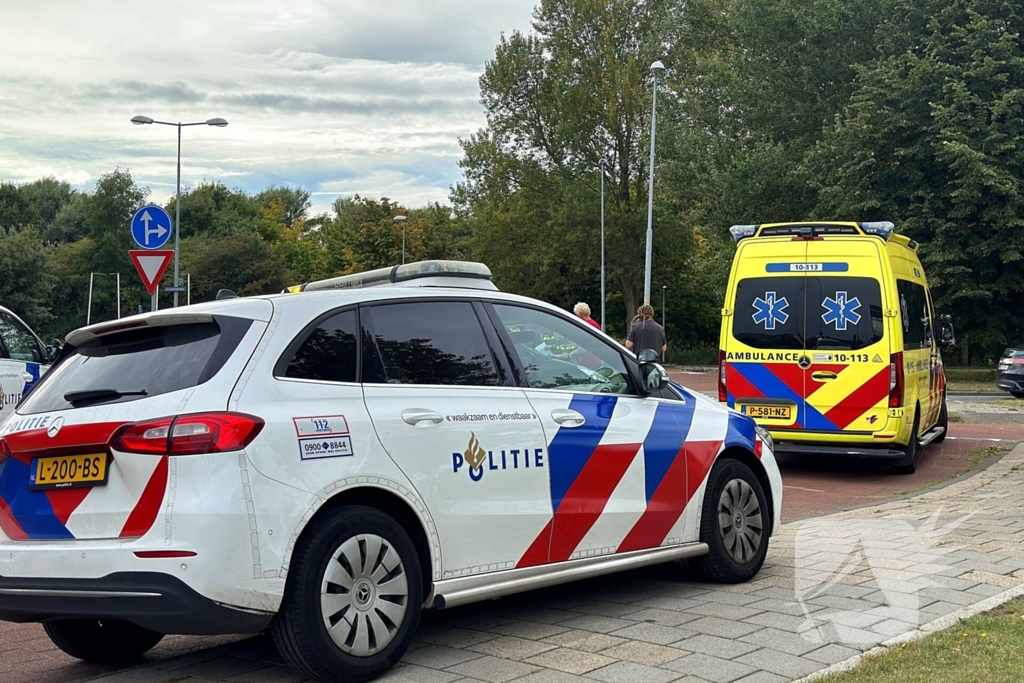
pixel 722 397
pixel 5 451
pixel 896 380
pixel 188 434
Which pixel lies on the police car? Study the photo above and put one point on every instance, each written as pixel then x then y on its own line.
pixel 23 360
pixel 331 462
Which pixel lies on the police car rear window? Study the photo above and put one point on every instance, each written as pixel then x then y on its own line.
pixel 813 312
pixel 136 364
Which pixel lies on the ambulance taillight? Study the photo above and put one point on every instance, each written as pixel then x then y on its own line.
pixel 721 377
pixel 896 380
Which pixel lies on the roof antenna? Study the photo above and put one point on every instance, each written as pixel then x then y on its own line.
pixel 225 294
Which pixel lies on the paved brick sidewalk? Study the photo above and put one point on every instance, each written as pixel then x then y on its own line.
pixel 833 587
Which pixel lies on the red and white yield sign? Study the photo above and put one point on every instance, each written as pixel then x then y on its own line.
pixel 151 264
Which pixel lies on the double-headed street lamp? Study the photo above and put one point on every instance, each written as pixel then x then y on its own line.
pixel 655 68
pixel 401 219
pixel 143 120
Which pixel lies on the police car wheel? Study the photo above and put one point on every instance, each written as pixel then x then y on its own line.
pixel 908 463
pixel 104 641
pixel 353 597
pixel 1017 394
pixel 735 523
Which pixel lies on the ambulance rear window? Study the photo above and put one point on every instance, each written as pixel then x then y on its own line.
pixel 812 312
pixel 769 313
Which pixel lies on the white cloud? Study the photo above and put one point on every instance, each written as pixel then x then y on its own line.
pixel 338 96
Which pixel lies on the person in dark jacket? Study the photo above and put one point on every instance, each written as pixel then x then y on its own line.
pixel 645 332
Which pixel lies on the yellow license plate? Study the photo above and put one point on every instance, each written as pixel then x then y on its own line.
pixel 68 471
pixel 779 413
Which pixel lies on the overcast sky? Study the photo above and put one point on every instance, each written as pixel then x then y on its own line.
pixel 339 97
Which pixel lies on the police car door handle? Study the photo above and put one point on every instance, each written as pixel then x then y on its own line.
pixel 824 375
pixel 417 416
pixel 567 418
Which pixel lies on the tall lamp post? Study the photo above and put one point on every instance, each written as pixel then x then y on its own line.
pixel 655 68
pixel 145 120
pixel 602 164
pixel 401 219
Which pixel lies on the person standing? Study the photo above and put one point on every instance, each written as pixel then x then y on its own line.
pixel 582 312
pixel 645 332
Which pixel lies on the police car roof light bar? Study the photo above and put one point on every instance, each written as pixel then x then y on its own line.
pixel 881 229
pixel 741 231
pixel 405 273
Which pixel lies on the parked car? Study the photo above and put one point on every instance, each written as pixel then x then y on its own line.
pixel 328 463
pixel 1010 372
pixel 829 339
pixel 23 360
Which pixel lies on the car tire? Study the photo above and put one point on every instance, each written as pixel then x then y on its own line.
pixel 735 523
pixel 103 641
pixel 943 422
pixel 1017 394
pixel 374 616
pixel 908 463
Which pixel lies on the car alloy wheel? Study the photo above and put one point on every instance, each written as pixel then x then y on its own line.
pixel 364 595
pixel 739 521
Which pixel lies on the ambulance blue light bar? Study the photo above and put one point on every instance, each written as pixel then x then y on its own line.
pixel 881 229
pixel 741 231
pixel 420 274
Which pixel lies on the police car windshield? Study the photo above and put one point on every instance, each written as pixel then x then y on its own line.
pixel 808 312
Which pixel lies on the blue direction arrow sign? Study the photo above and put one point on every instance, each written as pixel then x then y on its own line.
pixel 151 227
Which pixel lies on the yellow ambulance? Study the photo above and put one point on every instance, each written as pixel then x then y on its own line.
pixel 830 341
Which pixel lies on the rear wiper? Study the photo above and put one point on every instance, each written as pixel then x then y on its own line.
pixel 86 395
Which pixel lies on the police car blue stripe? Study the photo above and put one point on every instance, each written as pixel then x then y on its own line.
pixel 31 509
pixel 664 440
pixel 571 448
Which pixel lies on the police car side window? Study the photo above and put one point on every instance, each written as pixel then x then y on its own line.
pixel 426 342
pixel 21 344
pixel 556 354
pixel 329 352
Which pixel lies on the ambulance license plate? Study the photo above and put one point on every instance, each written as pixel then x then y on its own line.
pixel 68 471
pixel 762 412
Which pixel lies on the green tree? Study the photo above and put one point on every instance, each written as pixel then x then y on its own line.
pixel 558 101
pixel 26 277
pixel 931 141
pixel 15 209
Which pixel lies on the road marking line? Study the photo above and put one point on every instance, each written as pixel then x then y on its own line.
pixel 803 489
pixel 977 438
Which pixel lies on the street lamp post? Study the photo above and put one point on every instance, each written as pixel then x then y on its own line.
pixel 601 163
pixel 401 219
pixel 144 120
pixel 655 68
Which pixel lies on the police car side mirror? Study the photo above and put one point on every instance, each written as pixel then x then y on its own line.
pixel 647 356
pixel 654 377
pixel 53 350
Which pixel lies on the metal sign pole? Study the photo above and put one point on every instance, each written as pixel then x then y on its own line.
pixel 118 295
pixel 189 299
pixel 88 312
pixel 154 304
